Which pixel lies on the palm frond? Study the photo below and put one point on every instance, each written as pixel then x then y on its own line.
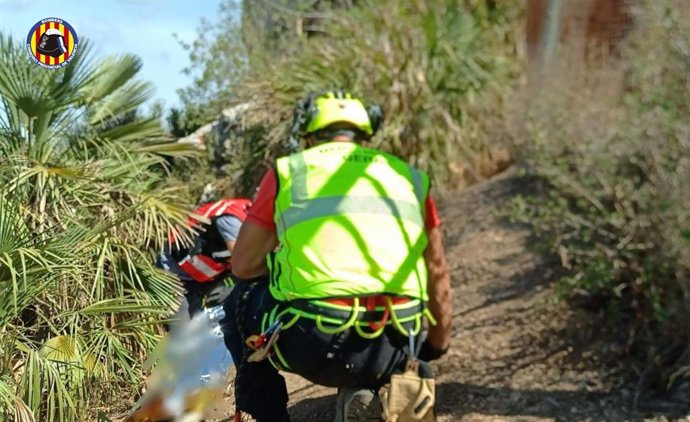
pixel 82 212
pixel 11 406
pixel 167 148
pixel 128 98
pixel 21 82
pixel 138 130
pixel 123 305
pixel 111 74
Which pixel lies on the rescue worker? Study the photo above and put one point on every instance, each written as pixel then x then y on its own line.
pixel 343 247
pixel 204 268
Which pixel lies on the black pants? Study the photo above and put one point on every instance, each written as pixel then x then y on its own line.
pixel 195 293
pixel 335 360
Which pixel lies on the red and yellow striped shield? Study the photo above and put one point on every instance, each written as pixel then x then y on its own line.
pixel 52 43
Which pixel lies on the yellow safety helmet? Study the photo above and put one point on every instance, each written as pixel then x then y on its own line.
pixel 318 112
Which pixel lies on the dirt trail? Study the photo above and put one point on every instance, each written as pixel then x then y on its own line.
pixel 515 356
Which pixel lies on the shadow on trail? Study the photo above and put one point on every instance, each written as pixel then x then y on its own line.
pixel 525 283
pixel 458 400
pixel 313 410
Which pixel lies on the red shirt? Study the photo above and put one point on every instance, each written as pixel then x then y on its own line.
pixel 263 208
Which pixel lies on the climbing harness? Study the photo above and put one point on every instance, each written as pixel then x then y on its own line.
pixel 368 316
pixel 262 343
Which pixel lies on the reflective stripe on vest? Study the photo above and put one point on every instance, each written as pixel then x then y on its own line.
pixel 350 221
pixel 304 210
pixel 341 205
pixel 202 268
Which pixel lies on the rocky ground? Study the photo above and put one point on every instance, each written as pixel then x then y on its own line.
pixel 516 355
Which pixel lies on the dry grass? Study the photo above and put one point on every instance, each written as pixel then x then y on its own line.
pixel 612 139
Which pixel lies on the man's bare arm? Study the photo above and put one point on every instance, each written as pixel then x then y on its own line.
pixel 440 292
pixel 249 254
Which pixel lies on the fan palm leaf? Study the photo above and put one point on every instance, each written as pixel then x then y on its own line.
pixel 83 209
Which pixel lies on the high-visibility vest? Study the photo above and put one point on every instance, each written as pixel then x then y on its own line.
pixel 211 256
pixel 350 222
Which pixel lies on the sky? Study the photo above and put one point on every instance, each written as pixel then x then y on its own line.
pixel 142 27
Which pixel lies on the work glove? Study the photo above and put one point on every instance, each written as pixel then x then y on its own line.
pixel 217 296
pixel 428 352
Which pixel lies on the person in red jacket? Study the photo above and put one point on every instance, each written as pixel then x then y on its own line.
pixel 204 267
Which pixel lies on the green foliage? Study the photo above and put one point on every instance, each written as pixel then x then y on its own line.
pixel 218 62
pixel 82 203
pixel 237 151
pixel 270 27
pixel 612 141
pixel 440 70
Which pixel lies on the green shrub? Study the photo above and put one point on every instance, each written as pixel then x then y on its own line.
pixel 218 61
pixel 83 204
pixel 612 140
pixel 441 70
